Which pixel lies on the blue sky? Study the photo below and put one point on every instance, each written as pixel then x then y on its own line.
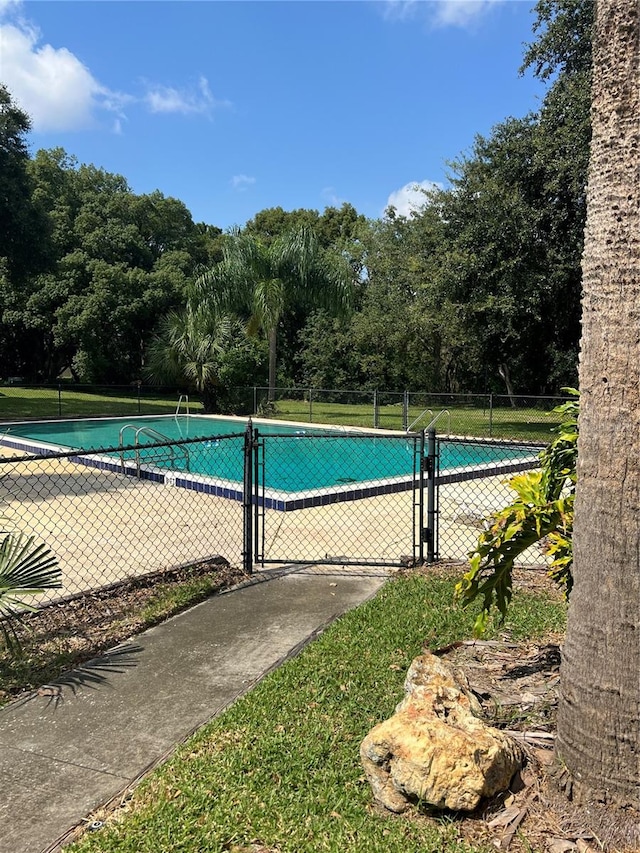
pixel 233 107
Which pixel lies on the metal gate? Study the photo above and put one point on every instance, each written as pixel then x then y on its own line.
pixel 339 498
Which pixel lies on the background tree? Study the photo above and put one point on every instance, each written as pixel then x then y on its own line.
pixel 598 722
pixel 261 280
pixel 117 262
pixel 514 220
pixel 24 229
pixel 397 332
pixel 204 351
pixel 338 232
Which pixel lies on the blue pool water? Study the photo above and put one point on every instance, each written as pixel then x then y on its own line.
pixel 297 459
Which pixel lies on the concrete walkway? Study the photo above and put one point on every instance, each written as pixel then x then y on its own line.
pixel 70 748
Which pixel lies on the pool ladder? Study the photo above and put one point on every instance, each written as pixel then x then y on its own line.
pixel 433 421
pixel 158 437
pixel 182 397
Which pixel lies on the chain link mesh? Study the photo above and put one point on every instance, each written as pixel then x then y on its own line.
pixel 480 415
pixel 469 491
pixel 351 498
pixel 340 497
pixel 105 526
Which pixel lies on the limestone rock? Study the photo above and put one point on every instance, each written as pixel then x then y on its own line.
pixel 434 749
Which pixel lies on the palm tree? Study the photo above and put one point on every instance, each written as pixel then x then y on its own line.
pixel 188 349
pixel 598 717
pixel 26 568
pixel 261 280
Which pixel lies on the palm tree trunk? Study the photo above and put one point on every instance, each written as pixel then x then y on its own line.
pixel 273 354
pixel 599 713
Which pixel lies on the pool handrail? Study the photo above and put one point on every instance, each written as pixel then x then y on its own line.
pixel 419 418
pixel 433 421
pixel 182 397
pixel 160 438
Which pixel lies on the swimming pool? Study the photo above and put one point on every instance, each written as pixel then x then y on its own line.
pixel 302 466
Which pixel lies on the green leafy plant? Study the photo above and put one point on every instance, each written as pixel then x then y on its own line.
pixel 26 568
pixel 542 511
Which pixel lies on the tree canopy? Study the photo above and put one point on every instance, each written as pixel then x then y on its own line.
pixel 263 279
pixel 477 291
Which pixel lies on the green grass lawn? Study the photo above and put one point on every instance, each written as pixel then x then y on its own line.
pixel 281 767
pixel 25 403
pixel 526 424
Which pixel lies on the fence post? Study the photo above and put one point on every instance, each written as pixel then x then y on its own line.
pixel 376 411
pixel 139 383
pixel 310 406
pixel 405 411
pixel 421 473
pixel 490 415
pixel 247 501
pixel 432 549
pixel 59 399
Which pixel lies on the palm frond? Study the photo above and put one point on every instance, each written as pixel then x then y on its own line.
pixel 269 302
pixel 26 568
pixel 295 256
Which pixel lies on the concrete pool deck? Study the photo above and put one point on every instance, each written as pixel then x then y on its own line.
pixel 104 527
pixel 86 740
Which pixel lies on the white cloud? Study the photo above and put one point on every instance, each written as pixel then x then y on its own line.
pixel 411 197
pixel 8 6
pixel 167 99
pixel 439 13
pixel 242 182
pixel 400 10
pixel 59 92
pixel 51 84
pixel 459 13
pixel 330 197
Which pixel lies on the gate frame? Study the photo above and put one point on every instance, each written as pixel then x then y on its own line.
pixel 425 471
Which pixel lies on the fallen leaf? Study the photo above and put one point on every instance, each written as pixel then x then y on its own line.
pixel 505 817
pixel 560 845
pixel 510 830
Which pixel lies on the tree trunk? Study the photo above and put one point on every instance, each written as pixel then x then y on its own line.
pixel 503 370
pixel 209 396
pixel 273 353
pixel 599 713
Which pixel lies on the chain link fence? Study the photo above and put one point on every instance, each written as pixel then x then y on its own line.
pixel 108 517
pixel 338 498
pixel 65 400
pixel 524 418
pixel 478 415
pixel 257 497
pixel 472 482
